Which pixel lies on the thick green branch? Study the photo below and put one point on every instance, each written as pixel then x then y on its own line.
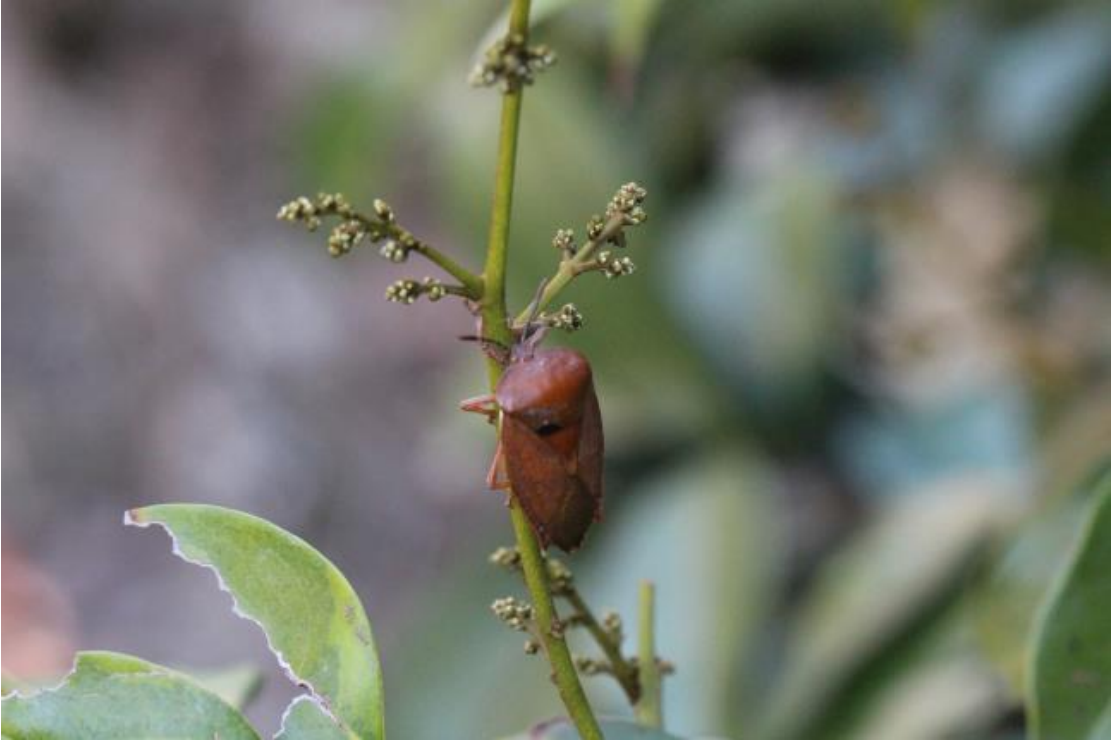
pixel 493 300
pixel 496 327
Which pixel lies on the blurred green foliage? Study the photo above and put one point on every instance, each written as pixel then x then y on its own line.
pixel 856 389
pixel 843 393
pixel 1071 649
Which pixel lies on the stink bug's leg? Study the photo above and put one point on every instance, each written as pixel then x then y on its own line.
pixel 497 465
pixel 533 332
pixel 492 348
pixel 486 405
pixel 534 306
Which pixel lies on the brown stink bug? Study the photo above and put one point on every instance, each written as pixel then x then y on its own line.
pixel 550 451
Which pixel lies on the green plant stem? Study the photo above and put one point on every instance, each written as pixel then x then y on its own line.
pixel 569 269
pixel 495 326
pixel 564 675
pixel 649 710
pixel 470 283
pixel 623 671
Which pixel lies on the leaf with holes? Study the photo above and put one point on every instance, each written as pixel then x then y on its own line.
pixel 109 695
pixel 314 622
pixel 304 719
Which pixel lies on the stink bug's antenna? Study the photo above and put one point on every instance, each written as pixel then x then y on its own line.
pixel 492 348
pixel 534 331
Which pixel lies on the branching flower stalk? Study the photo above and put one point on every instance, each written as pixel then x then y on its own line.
pixel 623 211
pixel 396 243
pixel 607 633
pixel 510 65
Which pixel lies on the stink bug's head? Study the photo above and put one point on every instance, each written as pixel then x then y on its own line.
pixel 525 340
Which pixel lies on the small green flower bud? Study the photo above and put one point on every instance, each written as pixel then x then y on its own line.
pixel 614 267
pixel 567 318
pixel 393 251
pixel 506 557
pixel 403 291
pixel 594 227
pixel 509 64
pixel 516 614
pixel 345 237
pixel 434 289
pixel 564 240
pixel 383 211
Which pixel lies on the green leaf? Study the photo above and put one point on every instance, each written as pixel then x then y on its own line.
pixel 613 729
pixel 1004 608
pixel 1070 695
pixel 306 720
pixel 714 516
pixel 312 618
pixel 884 596
pixel 110 696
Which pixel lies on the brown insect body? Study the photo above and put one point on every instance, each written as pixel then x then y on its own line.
pixel 552 443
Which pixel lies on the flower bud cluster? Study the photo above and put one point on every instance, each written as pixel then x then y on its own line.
pixel 567 318
pixel 624 209
pixel 564 241
pixel 516 614
pixel 627 202
pixel 506 557
pixel 615 267
pixel 310 212
pixel 560 577
pixel 407 291
pixel 354 227
pixel 346 236
pixel 511 64
pixel 595 225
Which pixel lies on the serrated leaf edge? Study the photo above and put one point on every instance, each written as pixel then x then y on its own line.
pixel 315 696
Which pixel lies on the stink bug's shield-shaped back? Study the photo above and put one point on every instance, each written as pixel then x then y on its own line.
pixel 552 444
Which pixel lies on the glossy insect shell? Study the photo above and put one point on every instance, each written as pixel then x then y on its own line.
pixel 552 443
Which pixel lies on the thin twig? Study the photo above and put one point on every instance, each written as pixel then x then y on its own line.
pixel 649 710
pixel 623 671
pixel 571 268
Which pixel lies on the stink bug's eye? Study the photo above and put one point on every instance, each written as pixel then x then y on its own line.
pixel 547 429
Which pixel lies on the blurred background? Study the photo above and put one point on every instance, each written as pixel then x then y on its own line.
pixel 851 396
